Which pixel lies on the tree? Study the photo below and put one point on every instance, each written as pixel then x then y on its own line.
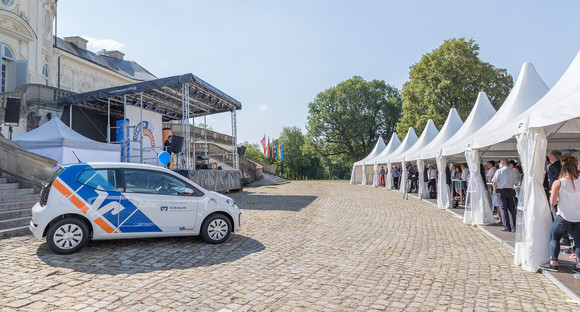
pixel 450 76
pixel 349 119
pixel 253 152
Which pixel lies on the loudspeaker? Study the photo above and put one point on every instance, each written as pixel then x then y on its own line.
pixel 241 150
pixel 176 144
pixel 12 110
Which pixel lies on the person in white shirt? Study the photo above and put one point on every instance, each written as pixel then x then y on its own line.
pixel 504 180
pixel 432 181
pixel 490 170
pixel 566 194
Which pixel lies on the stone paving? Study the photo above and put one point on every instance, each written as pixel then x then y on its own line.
pixel 305 246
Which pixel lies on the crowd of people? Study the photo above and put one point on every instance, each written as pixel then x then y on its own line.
pixel 503 180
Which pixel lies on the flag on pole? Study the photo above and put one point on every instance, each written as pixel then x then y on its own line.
pixel 264 144
pixel 282 151
pixel 275 149
pixel 268 150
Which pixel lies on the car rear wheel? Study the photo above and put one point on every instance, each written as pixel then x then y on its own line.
pixel 67 236
pixel 216 229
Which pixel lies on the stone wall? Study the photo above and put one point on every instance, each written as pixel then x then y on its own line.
pixel 28 169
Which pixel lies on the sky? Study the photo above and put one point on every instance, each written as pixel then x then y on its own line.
pixel 276 56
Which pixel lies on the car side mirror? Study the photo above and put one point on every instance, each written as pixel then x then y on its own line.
pixel 188 191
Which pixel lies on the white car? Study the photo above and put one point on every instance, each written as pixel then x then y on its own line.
pixel 124 200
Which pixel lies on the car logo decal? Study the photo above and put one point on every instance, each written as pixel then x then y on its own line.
pixel 212 200
pixel 125 217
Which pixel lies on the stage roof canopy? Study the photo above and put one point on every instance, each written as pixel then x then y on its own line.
pixel 164 95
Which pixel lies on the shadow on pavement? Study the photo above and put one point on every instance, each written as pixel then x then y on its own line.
pixel 130 256
pixel 272 202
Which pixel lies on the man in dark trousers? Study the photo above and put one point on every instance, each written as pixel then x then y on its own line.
pixel 504 180
pixel 412 176
pixel 554 174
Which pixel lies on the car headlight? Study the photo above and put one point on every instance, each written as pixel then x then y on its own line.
pixel 231 203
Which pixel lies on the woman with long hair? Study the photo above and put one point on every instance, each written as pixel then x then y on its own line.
pixel 566 194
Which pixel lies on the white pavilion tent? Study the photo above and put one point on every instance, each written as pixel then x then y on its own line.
pixel 452 124
pixel 553 122
pixel 359 165
pixel 56 140
pixel 428 134
pixel 489 142
pixel 409 140
pixel 481 112
pixel 394 143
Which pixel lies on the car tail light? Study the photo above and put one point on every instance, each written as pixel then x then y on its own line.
pixel 44 193
pixel 47 186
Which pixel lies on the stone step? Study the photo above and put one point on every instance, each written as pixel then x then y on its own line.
pixel 8 186
pixel 3 180
pixel 22 191
pixel 14 231
pixel 18 205
pixel 14 222
pixel 18 198
pixel 15 213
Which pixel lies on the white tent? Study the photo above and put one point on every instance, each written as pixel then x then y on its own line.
pixel 428 134
pixel 553 122
pixel 409 140
pixel 452 124
pixel 394 143
pixel 493 141
pixel 379 147
pixel 481 112
pixel 56 140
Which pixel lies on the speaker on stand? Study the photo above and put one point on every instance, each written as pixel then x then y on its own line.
pixel 176 146
pixel 12 114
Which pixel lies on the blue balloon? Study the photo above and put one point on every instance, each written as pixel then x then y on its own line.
pixel 164 158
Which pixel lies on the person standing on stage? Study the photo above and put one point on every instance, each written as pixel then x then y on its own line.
pixel 504 180
pixel 167 146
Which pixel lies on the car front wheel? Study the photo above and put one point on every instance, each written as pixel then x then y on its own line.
pixel 67 236
pixel 216 229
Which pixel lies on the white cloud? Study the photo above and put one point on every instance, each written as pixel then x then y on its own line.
pixel 95 44
pixel 264 107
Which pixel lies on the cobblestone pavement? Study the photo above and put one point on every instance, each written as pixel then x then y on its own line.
pixel 305 246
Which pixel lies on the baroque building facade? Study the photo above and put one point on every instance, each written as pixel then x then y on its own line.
pixel 39 67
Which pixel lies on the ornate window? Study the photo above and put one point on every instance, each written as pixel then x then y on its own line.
pixel 7 60
pixel 7 2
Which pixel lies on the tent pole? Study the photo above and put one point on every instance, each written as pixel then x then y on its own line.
pixel 70 117
pixel 141 128
pixel 109 120
pixel 205 133
pixel 234 140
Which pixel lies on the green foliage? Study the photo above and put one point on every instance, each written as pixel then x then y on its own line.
pixel 348 119
pixel 450 76
pixel 253 152
pixel 299 161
